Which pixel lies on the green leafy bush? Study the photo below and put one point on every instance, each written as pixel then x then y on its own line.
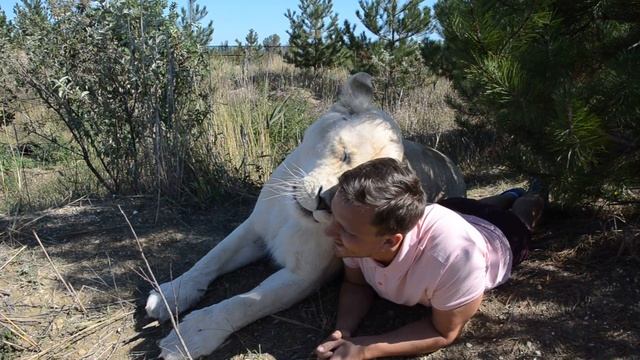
pixel 124 78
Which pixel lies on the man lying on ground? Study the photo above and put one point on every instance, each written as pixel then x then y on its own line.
pixel 443 255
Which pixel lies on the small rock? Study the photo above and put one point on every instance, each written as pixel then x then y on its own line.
pixel 538 353
pixel 469 345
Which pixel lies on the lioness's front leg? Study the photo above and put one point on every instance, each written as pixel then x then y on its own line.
pixel 241 247
pixel 204 330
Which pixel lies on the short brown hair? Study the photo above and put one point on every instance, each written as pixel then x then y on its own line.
pixel 391 188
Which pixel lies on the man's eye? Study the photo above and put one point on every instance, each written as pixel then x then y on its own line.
pixel 346 233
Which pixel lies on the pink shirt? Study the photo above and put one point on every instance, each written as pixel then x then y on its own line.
pixel 445 261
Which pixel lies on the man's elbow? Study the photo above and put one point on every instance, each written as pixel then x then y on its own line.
pixel 448 339
pixel 437 344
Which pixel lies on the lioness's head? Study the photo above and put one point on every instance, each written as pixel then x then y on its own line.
pixel 352 132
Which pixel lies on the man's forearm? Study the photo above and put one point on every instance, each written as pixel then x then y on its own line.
pixel 354 302
pixel 416 338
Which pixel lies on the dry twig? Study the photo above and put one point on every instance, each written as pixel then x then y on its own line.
pixel 13 257
pixel 295 322
pixel 18 331
pixel 22 348
pixel 156 285
pixel 66 285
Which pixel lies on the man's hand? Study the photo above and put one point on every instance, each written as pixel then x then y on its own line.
pixel 338 347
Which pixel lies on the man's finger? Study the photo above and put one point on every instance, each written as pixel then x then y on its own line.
pixel 328 346
pixel 324 355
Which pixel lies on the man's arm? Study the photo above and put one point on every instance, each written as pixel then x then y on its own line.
pixel 423 336
pixel 356 297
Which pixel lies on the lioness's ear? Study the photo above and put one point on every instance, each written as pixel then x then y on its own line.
pixel 357 93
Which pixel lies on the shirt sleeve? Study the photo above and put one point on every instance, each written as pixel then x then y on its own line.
pixel 462 281
pixel 350 262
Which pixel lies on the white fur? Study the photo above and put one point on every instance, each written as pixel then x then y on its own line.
pixel 278 225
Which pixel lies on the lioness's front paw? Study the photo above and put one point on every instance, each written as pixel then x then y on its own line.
pixel 156 308
pixel 200 334
pixel 180 296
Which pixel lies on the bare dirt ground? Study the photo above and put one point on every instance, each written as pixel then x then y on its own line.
pixel 575 298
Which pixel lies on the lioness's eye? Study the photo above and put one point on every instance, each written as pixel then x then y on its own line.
pixel 345 157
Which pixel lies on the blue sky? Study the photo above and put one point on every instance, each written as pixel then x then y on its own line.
pixel 232 19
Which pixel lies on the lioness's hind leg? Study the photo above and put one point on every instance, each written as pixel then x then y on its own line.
pixel 241 247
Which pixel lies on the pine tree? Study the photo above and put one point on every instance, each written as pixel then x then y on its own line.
pixel 398 28
pixel 252 39
pixel 31 18
pixel 5 25
pixel 190 22
pixel 251 45
pixel 560 78
pixel 5 29
pixel 315 39
pixel 250 50
pixel 360 50
pixel 7 93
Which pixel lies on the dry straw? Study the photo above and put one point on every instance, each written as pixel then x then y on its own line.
pixel 68 286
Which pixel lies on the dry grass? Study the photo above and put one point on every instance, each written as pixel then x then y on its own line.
pixel 425 110
pixel 42 321
pixel 257 113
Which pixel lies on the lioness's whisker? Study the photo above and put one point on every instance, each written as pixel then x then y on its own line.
pixel 300 170
pixel 288 198
pixel 284 182
pixel 280 189
pixel 300 173
pixel 291 182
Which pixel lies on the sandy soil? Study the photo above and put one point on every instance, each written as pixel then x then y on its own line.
pixel 575 298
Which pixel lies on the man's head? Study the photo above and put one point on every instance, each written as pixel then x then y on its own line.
pixel 375 205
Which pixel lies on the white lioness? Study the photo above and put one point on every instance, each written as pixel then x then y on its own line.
pixel 289 218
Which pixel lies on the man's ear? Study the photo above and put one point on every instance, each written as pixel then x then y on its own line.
pixel 393 240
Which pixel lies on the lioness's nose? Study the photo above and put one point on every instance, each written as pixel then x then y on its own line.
pixel 324 198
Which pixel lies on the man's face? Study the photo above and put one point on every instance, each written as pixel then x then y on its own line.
pixel 351 230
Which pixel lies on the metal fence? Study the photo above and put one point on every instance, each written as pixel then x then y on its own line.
pixel 236 50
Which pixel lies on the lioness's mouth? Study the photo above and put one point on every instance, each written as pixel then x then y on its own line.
pixel 303 209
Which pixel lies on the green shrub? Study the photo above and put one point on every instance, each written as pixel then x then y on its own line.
pixel 124 77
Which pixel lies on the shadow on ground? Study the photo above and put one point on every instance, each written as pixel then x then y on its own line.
pixel 559 304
